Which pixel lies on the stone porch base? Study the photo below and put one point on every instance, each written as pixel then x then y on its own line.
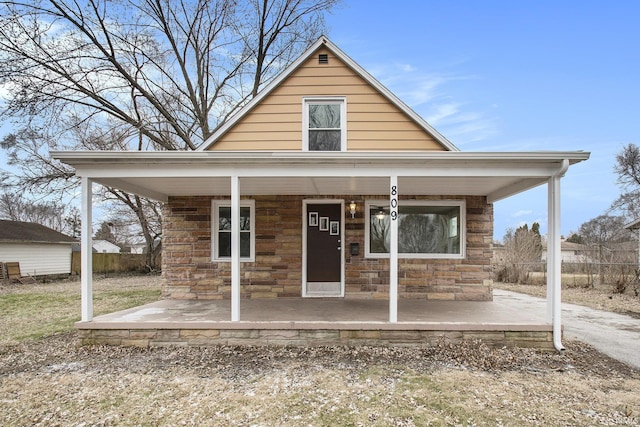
pixel 324 321
pixel 319 335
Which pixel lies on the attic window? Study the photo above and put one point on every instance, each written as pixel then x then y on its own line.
pixel 324 124
pixel 323 58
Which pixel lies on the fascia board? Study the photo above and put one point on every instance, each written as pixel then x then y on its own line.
pixel 204 171
pixel 334 158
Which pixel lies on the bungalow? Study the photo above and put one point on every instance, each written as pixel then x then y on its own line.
pixel 325 186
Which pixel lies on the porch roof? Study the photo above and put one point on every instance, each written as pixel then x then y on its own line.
pixel 161 174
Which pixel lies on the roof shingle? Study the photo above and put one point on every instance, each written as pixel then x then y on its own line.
pixel 16 231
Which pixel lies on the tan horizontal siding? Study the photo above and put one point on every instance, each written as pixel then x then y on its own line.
pixel 373 123
pixel 272 118
pixel 261 145
pixel 295 135
pixel 397 145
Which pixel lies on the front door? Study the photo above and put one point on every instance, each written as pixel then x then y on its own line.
pixel 323 250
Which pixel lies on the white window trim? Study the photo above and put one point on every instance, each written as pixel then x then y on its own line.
pixel 215 213
pixel 342 100
pixel 463 228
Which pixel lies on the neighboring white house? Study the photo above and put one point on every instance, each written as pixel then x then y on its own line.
pixel 104 246
pixel 570 252
pixel 40 250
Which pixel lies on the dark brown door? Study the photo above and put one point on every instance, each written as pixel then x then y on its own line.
pixel 324 244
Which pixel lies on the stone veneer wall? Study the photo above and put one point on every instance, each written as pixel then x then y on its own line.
pixel 182 337
pixel 189 273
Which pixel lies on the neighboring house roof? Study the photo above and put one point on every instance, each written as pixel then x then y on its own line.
pixel 569 246
pixel 323 42
pixel 17 231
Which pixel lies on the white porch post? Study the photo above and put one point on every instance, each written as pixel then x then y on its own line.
pixel 551 220
pixel 235 248
pixel 554 257
pixel 86 251
pixel 393 249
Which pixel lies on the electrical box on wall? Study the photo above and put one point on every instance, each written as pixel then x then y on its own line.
pixel 355 249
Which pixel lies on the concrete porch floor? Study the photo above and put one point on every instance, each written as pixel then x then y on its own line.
pixel 326 313
pixel 304 322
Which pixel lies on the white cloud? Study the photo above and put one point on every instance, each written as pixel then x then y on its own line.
pixel 407 68
pixel 442 112
pixel 428 95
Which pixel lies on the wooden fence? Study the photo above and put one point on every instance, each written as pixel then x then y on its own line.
pixel 111 263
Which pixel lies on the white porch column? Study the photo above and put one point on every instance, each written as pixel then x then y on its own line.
pixel 393 249
pixel 554 257
pixel 235 248
pixel 551 221
pixel 86 250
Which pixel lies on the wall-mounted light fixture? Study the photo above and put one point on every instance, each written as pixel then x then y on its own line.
pixel 352 209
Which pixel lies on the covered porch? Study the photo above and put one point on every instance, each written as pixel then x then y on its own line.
pixel 391 320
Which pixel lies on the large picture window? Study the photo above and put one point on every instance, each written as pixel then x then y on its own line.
pixel 221 230
pixel 426 229
pixel 324 124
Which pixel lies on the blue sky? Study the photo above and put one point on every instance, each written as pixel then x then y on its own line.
pixel 512 76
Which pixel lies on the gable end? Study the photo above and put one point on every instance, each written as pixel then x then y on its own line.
pixel 376 119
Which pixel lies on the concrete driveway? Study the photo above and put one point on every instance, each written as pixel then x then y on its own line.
pixel 615 335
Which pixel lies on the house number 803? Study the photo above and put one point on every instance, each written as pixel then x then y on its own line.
pixel 394 203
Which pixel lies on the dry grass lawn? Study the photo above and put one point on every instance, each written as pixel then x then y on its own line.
pixel 49 381
pixel 33 311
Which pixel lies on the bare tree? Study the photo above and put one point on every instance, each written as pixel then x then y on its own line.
pixel 522 251
pixel 167 71
pixel 41 174
pixel 604 230
pixel 605 235
pixel 15 207
pixel 136 216
pixel 150 74
pixel 628 169
pixel 281 33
